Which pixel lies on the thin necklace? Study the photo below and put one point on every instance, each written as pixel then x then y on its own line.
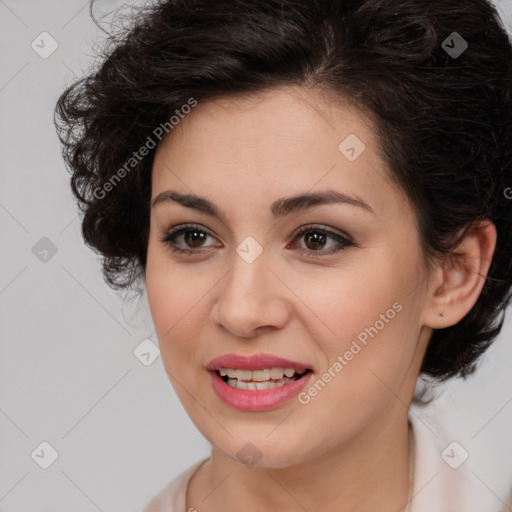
pixel 411 467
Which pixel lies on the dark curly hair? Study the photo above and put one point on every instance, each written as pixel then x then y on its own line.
pixel 443 116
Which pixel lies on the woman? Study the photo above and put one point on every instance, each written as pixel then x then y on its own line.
pixel 314 196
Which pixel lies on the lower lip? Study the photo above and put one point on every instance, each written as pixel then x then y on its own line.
pixel 257 400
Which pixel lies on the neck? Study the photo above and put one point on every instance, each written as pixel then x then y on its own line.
pixel 369 473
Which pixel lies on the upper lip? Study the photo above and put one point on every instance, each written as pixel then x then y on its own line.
pixel 253 362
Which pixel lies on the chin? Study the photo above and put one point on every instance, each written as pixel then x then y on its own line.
pixel 262 453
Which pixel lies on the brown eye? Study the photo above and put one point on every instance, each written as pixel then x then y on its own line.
pixel 194 238
pixel 315 240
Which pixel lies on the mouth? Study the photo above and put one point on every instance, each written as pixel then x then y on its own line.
pixel 257 382
pixel 262 379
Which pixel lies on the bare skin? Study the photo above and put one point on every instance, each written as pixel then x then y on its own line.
pixel 347 448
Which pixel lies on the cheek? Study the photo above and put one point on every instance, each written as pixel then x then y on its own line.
pixel 348 300
pixel 159 292
pixel 179 303
pixel 365 363
pixel 366 317
pixel 168 298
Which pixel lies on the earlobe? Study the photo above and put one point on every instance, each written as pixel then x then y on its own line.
pixel 459 279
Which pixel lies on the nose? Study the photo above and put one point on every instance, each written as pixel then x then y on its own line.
pixel 251 299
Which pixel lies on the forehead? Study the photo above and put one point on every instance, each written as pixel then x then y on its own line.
pixel 273 144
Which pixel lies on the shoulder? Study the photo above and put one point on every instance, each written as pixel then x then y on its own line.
pixel 443 478
pixel 172 497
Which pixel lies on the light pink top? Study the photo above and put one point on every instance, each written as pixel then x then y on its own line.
pixel 172 497
pixel 441 483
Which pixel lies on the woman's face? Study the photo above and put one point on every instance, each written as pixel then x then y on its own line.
pixel 345 299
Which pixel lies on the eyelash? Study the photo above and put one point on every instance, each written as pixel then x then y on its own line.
pixel 344 242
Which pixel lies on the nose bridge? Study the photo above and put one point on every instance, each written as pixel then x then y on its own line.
pixel 250 296
pixel 245 283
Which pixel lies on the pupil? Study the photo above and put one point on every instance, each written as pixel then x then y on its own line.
pixel 193 241
pixel 318 239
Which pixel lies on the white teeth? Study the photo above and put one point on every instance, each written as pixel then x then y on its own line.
pixel 243 375
pixel 276 373
pixel 265 385
pixel 261 375
pixel 240 384
pixel 264 375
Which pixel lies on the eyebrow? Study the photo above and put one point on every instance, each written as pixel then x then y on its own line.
pixel 279 208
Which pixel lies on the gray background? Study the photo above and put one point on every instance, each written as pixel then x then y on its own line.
pixel 69 375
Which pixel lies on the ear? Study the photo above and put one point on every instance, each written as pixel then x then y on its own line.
pixel 457 281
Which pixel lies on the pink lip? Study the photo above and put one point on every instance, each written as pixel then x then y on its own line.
pixel 255 400
pixel 254 362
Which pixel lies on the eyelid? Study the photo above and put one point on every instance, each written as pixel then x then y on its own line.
pixel 343 240
pixel 321 227
pixel 175 230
